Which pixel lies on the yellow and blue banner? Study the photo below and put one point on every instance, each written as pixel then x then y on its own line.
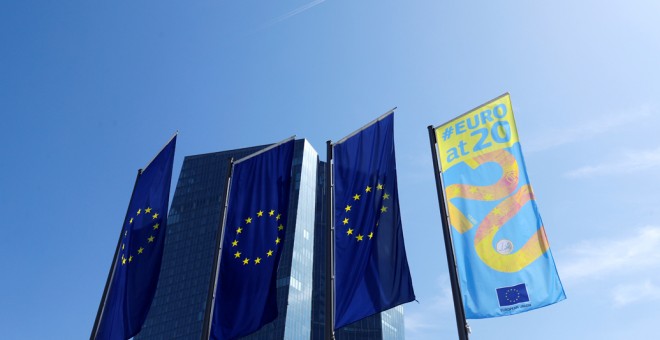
pixel 371 268
pixel 140 251
pixel 502 253
pixel 257 212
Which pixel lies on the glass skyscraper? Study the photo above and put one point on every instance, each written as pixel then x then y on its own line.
pixel 194 217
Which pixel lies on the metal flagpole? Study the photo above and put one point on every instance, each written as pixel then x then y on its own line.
pixel 329 249
pixel 111 274
pixel 220 235
pixel 461 323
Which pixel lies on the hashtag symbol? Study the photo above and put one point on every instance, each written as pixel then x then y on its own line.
pixel 447 133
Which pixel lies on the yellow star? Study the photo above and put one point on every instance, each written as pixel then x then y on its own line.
pixel 356 197
pixel 368 189
pixel 379 186
pixel 269 253
pixel 140 250
pixel 237 255
pixel 248 220
pixel 234 243
pixel 383 209
pixel 122 246
pixel 139 211
pixel 239 230
pixel 349 231
pixel 277 240
pixel 345 220
pixel 260 213
pixel 148 210
pixel 371 235
pixel 386 196
pixel 155 216
pixel 488 196
pixel 246 261
pixel 151 239
pixel 278 216
pixel 473 189
pixel 123 261
pixel 257 261
pixel 130 258
pixel 271 213
pixel 280 227
pixel 359 237
pixel 131 221
pixel 348 208
pixel 497 211
pixel 156 226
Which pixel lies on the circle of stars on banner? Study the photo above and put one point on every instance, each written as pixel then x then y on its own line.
pixel 145 217
pixel 369 193
pixel 512 295
pixel 273 219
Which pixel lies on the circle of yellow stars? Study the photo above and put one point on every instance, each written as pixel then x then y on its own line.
pixel 512 295
pixel 350 232
pixel 239 256
pixel 147 242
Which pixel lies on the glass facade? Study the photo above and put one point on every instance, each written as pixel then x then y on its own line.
pixel 195 214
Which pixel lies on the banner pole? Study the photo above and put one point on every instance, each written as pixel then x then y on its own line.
pixel 461 322
pixel 220 235
pixel 111 274
pixel 329 249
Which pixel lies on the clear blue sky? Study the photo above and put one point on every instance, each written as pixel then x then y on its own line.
pixel 91 90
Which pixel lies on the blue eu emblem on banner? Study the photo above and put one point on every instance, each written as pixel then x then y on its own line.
pixel 513 295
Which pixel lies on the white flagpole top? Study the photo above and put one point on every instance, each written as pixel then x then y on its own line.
pixel 161 149
pixel 367 125
pixel 265 149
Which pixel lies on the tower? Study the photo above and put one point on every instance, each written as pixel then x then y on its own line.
pixel 195 214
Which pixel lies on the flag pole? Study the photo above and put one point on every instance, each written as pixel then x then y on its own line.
pixel 220 235
pixel 111 274
pixel 461 322
pixel 329 249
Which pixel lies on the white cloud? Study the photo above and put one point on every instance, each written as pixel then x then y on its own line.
pixel 552 138
pixel 630 162
pixel 626 267
pixel 424 319
pixel 291 13
pixel 592 260
pixel 608 258
pixel 644 291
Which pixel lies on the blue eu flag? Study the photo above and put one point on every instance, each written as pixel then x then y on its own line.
pixel 257 214
pixel 137 263
pixel 371 268
pixel 513 295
